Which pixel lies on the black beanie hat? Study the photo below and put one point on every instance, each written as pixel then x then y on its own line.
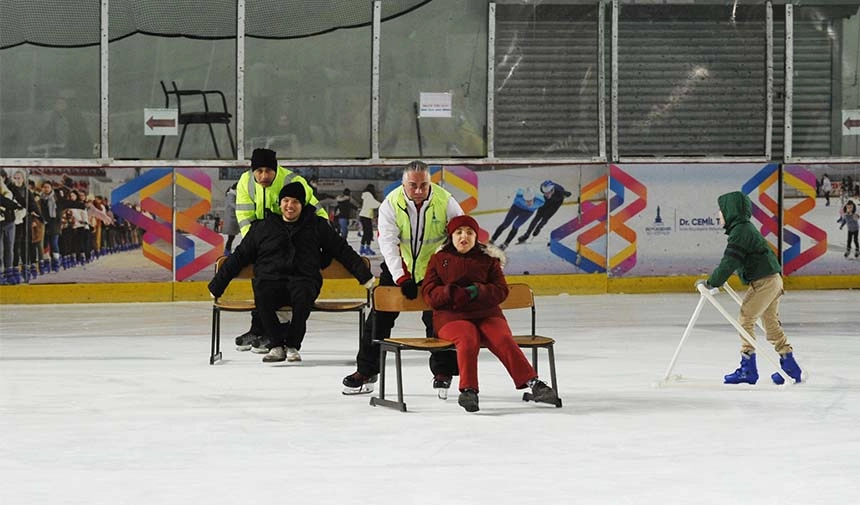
pixel 294 190
pixel 264 158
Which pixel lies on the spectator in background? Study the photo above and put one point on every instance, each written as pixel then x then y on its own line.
pixel 369 204
pixel 51 215
pixel 24 216
pixel 345 208
pixel 8 206
pixel 826 188
pixel 525 204
pixel 849 217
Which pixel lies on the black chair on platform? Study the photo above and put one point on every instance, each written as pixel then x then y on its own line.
pixel 207 116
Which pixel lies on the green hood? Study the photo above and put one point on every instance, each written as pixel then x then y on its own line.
pixel 736 208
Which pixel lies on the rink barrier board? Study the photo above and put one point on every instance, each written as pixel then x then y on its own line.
pixel 581 284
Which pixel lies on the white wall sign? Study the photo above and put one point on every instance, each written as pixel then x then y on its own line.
pixel 851 122
pixel 435 105
pixel 160 121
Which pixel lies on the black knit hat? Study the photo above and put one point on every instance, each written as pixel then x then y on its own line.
pixel 294 190
pixel 264 158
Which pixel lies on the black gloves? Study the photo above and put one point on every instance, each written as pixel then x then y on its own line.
pixel 409 289
pixel 217 287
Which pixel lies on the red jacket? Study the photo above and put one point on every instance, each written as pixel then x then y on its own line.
pixel 448 268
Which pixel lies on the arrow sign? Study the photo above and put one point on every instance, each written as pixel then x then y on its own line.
pixel 851 122
pixel 160 121
pixel 153 123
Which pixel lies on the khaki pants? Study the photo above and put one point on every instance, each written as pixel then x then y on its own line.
pixel 762 301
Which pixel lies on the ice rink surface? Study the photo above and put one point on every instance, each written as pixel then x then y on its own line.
pixel 116 404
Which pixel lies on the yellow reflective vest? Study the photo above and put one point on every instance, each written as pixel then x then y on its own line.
pixel 252 199
pixel 435 222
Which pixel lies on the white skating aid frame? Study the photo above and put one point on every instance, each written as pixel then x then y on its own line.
pixel 708 295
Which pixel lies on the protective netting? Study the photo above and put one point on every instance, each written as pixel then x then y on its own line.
pixel 75 23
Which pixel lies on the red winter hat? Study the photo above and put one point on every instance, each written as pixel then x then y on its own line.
pixel 462 221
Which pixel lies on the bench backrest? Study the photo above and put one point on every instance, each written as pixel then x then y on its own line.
pixel 335 270
pixel 391 299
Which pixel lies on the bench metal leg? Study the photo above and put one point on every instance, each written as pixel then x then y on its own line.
pixel 398 369
pixel 215 349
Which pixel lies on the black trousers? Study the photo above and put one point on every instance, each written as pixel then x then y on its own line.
pixel 542 216
pixel 441 363
pixel 271 295
pixel 366 230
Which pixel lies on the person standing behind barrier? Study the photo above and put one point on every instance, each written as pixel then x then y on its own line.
pixel 412 221
pixel 288 252
pixel 525 204
pixel 465 285
pixel 748 253
pixel 826 188
pixel 230 225
pixel 369 204
pixel 51 214
pixel 257 194
pixel 345 208
pixel 8 206
pixel 554 195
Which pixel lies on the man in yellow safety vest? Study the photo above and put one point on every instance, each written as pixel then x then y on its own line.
pixel 256 194
pixel 412 225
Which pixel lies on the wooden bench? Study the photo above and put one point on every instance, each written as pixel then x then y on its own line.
pixel 390 299
pixel 228 304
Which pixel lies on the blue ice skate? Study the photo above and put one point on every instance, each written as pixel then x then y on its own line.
pixel 790 367
pixel 747 373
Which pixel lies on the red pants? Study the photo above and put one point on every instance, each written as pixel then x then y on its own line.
pixel 495 334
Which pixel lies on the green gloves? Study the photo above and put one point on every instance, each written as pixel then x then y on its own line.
pixel 472 290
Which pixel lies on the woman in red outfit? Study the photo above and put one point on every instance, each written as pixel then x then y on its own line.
pixel 465 285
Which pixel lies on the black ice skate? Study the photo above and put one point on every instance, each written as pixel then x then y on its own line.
pixel 441 383
pixel 357 383
pixel 541 393
pixel 469 400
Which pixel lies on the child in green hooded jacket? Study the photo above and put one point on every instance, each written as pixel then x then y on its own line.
pixel 751 256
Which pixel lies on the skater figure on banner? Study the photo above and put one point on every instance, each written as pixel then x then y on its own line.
pixel 554 195
pixel 526 202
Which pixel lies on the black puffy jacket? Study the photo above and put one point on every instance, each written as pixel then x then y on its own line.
pixel 290 251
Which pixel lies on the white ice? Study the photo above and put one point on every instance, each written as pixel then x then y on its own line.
pixel 117 404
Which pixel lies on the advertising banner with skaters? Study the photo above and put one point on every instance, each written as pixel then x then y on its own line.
pixel 93 225
pixel 535 213
pixel 664 218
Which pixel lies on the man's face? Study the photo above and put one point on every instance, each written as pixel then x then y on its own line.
pixel 417 186
pixel 264 176
pixel 47 188
pixel 290 209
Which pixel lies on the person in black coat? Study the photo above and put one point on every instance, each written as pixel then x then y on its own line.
pixel 288 252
